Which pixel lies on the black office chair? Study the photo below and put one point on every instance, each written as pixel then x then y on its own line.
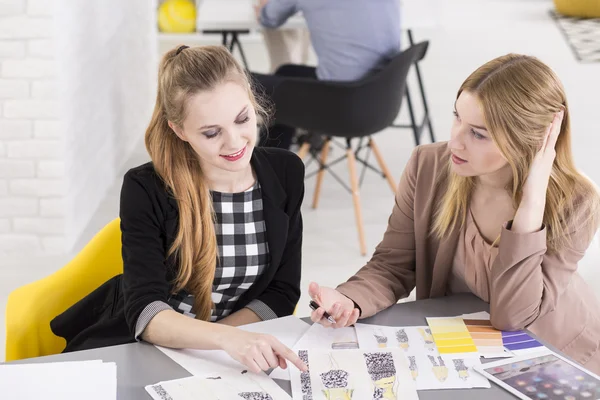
pixel 349 110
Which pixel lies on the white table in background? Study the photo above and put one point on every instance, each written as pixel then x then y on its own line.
pixel 232 18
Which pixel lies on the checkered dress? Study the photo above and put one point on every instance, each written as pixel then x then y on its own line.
pixel 243 251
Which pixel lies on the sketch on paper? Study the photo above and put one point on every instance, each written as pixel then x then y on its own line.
pixel 380 337
pixel 428 369
pixel 382 370
pixel 427 338
pixel 461 369
pixel 354 375
pixel 402 339
pixel 412 365
pixel 335 382
pixel 319 337
pixel 305 377
pixel 226 385
pixel 255 396
pixel 439 368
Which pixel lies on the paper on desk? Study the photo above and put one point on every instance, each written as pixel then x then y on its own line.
pixel 319 337
pixel 90 380
pixel 202 362
pixel 218 386
pixel 430 369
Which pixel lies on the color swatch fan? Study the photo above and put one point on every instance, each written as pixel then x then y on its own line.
pixel 451 335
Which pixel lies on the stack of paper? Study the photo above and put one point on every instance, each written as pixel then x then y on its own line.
pixel 90 380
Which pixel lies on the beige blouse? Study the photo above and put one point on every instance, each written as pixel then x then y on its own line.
pixel 532 287
pixel 472 262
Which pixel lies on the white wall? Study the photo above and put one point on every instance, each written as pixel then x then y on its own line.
pixel 77 81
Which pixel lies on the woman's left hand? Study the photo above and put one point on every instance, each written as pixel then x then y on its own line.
pixel 535 186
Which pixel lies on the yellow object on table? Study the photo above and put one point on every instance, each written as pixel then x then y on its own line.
pixel 578 8
pixel 177 16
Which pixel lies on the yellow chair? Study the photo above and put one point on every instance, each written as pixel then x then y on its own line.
pixel 30 308
pixel 578 8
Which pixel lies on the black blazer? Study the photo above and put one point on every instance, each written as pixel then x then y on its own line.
pixel 149 223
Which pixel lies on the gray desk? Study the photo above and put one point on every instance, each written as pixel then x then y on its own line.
pixel 141 364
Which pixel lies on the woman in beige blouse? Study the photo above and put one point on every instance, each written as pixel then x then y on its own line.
pixel 500 211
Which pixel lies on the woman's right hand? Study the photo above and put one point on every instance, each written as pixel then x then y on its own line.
pixel 259 352
pixel 340 307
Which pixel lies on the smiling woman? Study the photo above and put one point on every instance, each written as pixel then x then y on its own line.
pixel 211 228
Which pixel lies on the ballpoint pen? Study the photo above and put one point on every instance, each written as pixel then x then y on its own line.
pixel 313 305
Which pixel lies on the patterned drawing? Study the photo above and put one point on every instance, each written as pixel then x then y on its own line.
pixel 255 396
pixel 427 338
pixel 402 339
pixel 380 337
pixel 461 368
pixel 412 365
pixel 382 370
pixel 439 368
pixel 305 377
pixel 335 382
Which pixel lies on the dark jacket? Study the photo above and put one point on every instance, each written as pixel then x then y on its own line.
pixel 149 223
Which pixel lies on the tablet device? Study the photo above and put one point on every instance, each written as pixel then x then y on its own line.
pixel 543 375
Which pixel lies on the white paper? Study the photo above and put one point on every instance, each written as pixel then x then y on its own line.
pixel 478 315
pixel 90 380
pixel 219 386
pixel 429 369
pixel 356 374
pixel 288 330
pixel 319 337
pixel 202 362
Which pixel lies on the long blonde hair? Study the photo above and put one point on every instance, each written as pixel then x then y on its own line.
pixel 519 96
pixel 184 72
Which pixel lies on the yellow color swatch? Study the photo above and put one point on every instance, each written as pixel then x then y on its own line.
pixel 451 335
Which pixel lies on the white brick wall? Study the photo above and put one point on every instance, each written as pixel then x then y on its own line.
pixel 74 100
pixel 42 48
pixel 18 207
pixel 47 129
pixel 12 48
pixel 14 89
pixel 39 225
pixel 44 90
pixel 40 7
pixel 35 149
pixel 16 169
pixel 53 207
pixel 4 225
pixel 15 129
pixel 11 7
pixel 50 169
pixel 38 188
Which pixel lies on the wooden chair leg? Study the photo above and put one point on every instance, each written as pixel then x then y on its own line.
pixel 320 174
pixel 356 199
pixel 304 150
pixel 383 165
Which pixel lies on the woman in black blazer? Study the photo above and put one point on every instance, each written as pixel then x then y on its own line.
pixel 211 228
